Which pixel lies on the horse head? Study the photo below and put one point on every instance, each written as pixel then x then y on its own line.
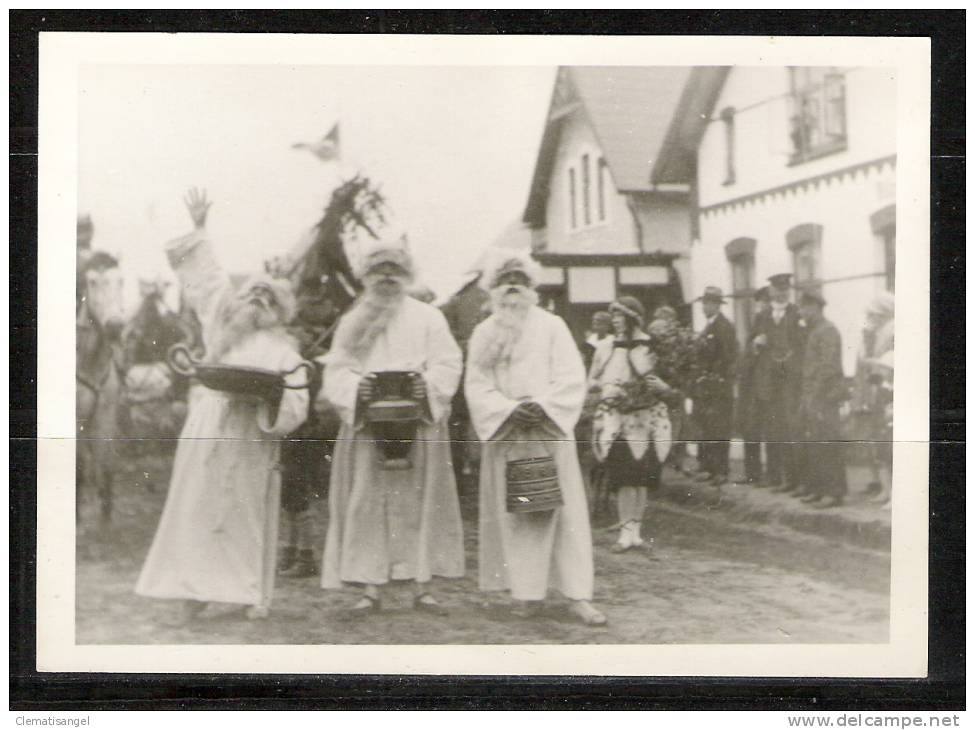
pixel 103 293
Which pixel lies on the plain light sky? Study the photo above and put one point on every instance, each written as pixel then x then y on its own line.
pixel 453 148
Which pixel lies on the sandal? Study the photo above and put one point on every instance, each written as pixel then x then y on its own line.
pixel 426 602
pixel 590 615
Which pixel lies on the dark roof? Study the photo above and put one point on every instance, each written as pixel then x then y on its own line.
pixel 677 161
pixel 629 109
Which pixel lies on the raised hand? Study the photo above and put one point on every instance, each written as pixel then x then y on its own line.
pixel 198 206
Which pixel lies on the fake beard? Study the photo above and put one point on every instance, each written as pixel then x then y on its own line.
pixel 370 317
pixel 239 319
pixel 511 305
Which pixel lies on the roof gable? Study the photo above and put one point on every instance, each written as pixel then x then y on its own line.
pixel 629 109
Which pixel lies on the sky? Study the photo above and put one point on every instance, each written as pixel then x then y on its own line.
pixel 452 147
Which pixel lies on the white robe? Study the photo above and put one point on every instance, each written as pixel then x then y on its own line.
pixel 529 553
pixel 217 536
pixel 394 524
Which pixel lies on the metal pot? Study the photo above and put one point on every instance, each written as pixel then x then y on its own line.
pixel 236 379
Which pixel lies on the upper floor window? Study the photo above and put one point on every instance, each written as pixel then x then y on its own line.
pixel 586 191
pixel 741 256
pixel 804 242
pixel 573 222
pixel 817 123
pixel 884 226
pixel 602 185
pixel 728 121
pixel 588 188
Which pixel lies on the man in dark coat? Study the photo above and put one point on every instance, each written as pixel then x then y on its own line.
pixel 717 350
pixel 749 424
pixel 776 373
pixel 823 389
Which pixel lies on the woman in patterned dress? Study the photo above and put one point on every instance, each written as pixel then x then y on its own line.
pixel 631 427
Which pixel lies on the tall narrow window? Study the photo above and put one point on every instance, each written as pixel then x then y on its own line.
pixel 741 257
pixel 603 172
pixel 586 212
pixel 728 120
pixel 804 242
pixel 572 197
pixel 884 225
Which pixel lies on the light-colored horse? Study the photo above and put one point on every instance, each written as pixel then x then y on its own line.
pixel 98 382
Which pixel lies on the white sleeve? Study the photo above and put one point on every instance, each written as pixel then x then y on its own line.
pixel 488 406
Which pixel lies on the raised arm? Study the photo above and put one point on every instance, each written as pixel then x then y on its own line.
pixel 202 279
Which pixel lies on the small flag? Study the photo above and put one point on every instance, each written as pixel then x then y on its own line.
pixel 325 149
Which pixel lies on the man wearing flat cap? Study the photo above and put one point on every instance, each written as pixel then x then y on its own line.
pixel 822 391
pixel 392 519
pixel 717 351
pixel 776 373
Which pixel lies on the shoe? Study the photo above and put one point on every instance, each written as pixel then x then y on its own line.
pixel 810 498
pixel 873 488
pixel 257 613
pixel 288 556
pixel 427 603
pixel 365 605
pixel 589 614
pixel 703 476
pixel 719 479
pixel 304 566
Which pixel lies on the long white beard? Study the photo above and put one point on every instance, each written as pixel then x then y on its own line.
pixel 367 320
pixel 511 306
pixel 236 321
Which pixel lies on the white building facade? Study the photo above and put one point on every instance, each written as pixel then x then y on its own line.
pixel 795 173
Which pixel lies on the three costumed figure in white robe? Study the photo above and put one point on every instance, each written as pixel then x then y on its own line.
pixel 217 536
pixel 525 384
pixel 403 523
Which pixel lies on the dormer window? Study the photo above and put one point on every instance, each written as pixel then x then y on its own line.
pixel 817 122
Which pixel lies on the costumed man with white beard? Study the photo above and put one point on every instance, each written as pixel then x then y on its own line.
pixel 402 522
pixel 217 536
pixel 525 385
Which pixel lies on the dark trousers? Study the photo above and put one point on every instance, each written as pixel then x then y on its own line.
pixel 714 419
pixel 753 460
pixel 776 419
pixel 822 457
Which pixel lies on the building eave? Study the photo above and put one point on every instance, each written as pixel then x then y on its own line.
pixel 677 160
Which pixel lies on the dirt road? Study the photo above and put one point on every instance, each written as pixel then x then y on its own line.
pixel 703 581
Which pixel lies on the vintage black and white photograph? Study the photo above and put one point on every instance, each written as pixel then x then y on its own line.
pixel 475 354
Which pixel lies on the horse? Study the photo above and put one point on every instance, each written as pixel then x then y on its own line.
pixel 154 397
pixel 98 382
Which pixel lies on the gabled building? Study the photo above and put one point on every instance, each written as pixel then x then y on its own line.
pixel 794 170
pixel 600 227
